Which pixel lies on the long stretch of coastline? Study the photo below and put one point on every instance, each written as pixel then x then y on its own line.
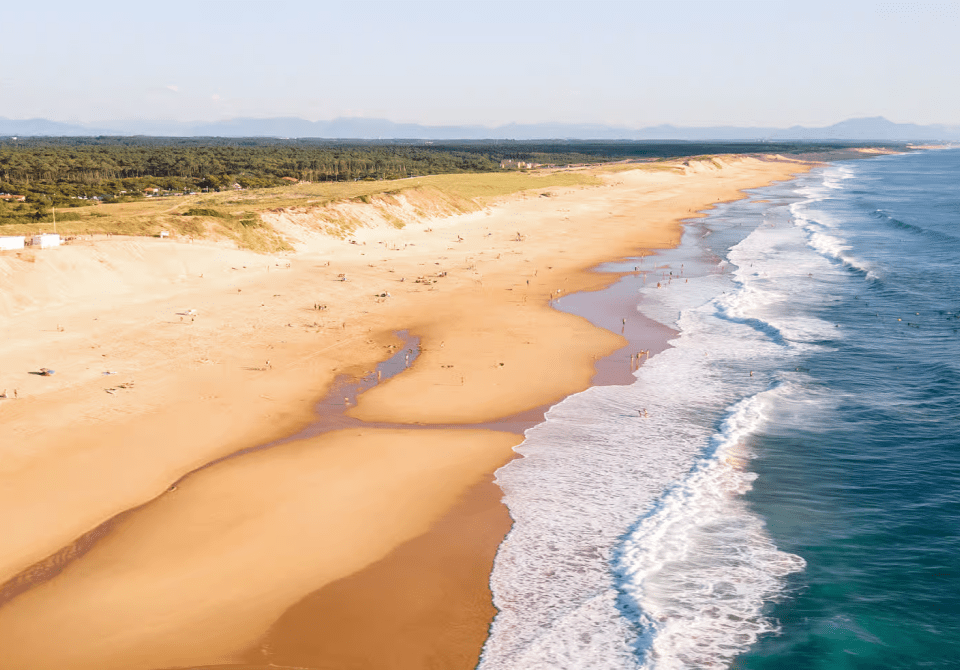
pixel 131 540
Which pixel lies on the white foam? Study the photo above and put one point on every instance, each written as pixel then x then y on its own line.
pixel 826 239
pixel 589 472
pixel 699 569
pixel 666 303
pixel 631 545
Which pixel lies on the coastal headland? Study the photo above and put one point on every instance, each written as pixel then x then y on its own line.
pixel 153 513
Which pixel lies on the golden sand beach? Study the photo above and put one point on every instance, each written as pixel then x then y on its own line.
pixel 129 541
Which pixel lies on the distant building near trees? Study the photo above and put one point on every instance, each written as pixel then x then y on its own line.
pixel 10 197
pixel 46 240
pixel 11 242
pixel 513 164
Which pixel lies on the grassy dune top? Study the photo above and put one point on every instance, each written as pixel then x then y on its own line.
pixel 236 215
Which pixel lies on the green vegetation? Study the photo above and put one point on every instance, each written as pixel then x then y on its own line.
pixel 206 211
pixel 237 215
pixel 73 172
pixel 200 187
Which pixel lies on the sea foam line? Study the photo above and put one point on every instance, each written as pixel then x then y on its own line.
pixel 581 579
pixel 695 572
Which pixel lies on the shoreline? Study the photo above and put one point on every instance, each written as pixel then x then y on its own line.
pixel 417 396
pixel 423 623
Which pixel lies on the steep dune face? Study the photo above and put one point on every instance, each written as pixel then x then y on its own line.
pixel 104 271
pixel 319 227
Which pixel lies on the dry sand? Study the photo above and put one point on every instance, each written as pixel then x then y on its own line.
pixel 280 555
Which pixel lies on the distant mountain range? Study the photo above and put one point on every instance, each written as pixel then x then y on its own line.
pixel 865 129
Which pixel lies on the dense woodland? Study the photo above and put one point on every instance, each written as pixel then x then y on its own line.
pixel 70 172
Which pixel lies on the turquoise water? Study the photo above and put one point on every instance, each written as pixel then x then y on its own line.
pixel 860 472
pixel 781 487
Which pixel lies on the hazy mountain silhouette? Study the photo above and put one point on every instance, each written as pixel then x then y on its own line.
pixel 874 128
pixel 43 127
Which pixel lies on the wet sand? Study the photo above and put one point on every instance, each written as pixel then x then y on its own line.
pixel 426 604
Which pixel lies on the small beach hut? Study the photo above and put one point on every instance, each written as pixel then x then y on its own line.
pixel 46 240
pixel 11 242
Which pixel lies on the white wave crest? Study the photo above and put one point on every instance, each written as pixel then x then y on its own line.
pixel 602 568
pixel 828 243
pixel 699 569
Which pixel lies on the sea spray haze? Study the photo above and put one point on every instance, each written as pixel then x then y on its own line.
pixel 791 497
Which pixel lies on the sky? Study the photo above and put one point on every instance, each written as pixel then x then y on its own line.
pixel 630 64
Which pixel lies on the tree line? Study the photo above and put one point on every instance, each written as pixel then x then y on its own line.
pixel 69 171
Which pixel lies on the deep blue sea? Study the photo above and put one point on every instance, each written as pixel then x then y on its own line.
pixel 781 487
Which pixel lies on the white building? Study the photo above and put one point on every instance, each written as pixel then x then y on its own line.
pixel 46 240
pixel 11 242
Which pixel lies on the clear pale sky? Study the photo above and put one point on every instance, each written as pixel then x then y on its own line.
pixel 621 63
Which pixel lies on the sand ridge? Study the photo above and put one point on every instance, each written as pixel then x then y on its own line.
pixel 74 456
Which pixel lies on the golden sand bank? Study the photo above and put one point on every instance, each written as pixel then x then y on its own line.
pixel 367 546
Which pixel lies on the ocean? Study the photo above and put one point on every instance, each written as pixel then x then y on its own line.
pixel 781 487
